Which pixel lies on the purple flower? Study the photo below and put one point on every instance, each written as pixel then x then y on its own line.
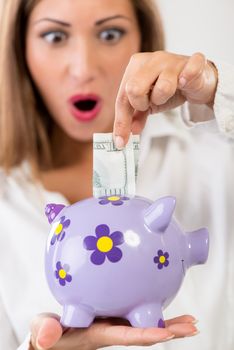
pixel 104 245
pixel 59 232
pixel 61 273
pixel 161 259
pixel 115 200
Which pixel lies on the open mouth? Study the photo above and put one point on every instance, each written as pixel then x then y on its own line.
pixel 85 105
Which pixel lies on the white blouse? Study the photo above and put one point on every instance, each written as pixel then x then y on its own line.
pixel 194 164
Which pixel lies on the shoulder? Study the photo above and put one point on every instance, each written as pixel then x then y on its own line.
pixel 17 180
pixel 22 195
pixel 21 203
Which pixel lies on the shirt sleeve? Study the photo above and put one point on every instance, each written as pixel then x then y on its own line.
pixel 224 100
pixel 223 110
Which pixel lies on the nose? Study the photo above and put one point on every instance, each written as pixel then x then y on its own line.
pixel 83 65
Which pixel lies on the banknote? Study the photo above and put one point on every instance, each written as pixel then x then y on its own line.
pixel 114 171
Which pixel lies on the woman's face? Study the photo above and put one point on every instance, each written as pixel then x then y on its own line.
pixel 77 51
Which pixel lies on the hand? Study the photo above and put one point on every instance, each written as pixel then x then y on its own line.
pixel 159 81
pixel 48 333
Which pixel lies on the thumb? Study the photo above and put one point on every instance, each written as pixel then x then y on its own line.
pixel 46 330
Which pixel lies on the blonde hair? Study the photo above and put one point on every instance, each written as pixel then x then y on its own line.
pixel 25 125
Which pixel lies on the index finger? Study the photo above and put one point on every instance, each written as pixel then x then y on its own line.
pixel 123 117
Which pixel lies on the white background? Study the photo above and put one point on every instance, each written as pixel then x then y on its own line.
pixel 206 26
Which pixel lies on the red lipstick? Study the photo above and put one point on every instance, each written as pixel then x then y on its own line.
pixel 85 107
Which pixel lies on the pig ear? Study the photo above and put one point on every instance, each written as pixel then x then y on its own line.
pixel 52 210
pixel 158 215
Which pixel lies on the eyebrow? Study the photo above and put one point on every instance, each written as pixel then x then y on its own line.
pixel 97 23
pixel 65 24
pixel 101 21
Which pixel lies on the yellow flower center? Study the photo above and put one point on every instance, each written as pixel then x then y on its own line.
pixel 162 259
pixel 104 244
pixel 113 198
pixel 58 229
pixel 62 273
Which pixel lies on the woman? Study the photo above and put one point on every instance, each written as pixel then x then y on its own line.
pixel 62 63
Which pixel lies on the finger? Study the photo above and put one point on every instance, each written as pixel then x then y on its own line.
pixel 165 87
pixel 133 96
pixel 123 121
pixel 181 330
pixel 122 335
pixel 137 92
pixel 46 330
pixel 192 70
pixel 139 83
pixel 181 319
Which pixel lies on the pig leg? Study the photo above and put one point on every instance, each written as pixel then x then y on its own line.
pixel 77 316
pixel 146 315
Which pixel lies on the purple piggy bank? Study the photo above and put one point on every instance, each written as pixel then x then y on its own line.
pixel 118 256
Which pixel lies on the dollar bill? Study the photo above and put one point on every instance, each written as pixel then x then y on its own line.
pixel 114 171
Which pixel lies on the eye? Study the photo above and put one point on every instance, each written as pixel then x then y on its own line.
pixel 112 35
pixel 54 37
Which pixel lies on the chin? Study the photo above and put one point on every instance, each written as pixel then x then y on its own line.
pixel 87 135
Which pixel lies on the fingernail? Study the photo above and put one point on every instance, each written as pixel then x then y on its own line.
pixel 182 82
pixel 193 333
pixel 119 142
pixel 194 321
